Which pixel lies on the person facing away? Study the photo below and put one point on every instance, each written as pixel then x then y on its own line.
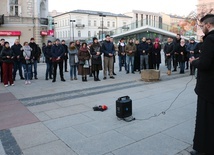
pixel 169 51
pixel 48 60
pixel 203 142
pixel 7 64
pixel 16 48
pixel 57 52
pixel 108 50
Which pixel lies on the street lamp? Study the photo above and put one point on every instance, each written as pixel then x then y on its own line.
pixel 102 15
pixel 72 28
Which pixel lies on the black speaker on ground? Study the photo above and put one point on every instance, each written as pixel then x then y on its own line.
pixel 124 107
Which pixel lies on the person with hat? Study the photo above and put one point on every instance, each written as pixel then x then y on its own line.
pixel 7 59
pixel 57 52
pixel 96 58
pixel 48 60
pixel 35 53
pixel 190 50
pixel 203 142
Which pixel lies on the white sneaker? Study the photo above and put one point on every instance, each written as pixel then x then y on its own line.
pixel 29 82
pixel 12 84
pixel 6 85
pixel 26 82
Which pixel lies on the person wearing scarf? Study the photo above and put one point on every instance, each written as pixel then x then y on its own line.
pixel 96 58
pixel 73 60
pixel 7 65
pixel 27 60
pixel 83 56
pixel 182 55
pixel 156 54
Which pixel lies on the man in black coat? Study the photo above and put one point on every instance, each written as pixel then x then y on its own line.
pixel 1 69
pixel 66 55
pixel 35 54
pixel 203 142
pixel 16 49
pixel 169 51
pixel 175 55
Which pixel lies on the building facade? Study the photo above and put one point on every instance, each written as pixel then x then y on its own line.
pixel 24 19
pixel 85 24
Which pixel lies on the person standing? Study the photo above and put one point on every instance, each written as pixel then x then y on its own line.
pixel 43 50
pixel 198 47
pixel 143 49
pixel 96 58
pixel 16 49
pixel 27 61
pixel 182 55
pixel 122 54
pixel 190 49
pixel 169 50
pixel 83 56
pixel 7 64
pixel 66 55
pixel 57 52
pixel 137 57
pixel 175 54
pixel 203 142
pixel 156 53
pixel 35 55
pixel 150 49
pixel 73 60
pixel 1 48
pixel 48 60
pixel 109 51
pixel 116 49
pixel 130 50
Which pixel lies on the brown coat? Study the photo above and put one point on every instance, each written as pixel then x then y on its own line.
pixel 83 55
pixel 130 47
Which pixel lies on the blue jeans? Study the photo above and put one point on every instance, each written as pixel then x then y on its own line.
pixel 49 69
pixel 129 60
pixel 144 59
pixel 169 63
pixel 34 68
pixel 182 67
pixel 27 71
pixel 122 60
pixel 73 71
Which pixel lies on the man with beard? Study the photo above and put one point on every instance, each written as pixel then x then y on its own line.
pixel 175 55
pixel 190 49
pixel 1 48
pixel 35 54
pixel 203 142
pixel 16 48
pixel 66 55
pixel 143 49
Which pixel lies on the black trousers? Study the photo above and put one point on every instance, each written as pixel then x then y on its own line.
pixel 60 64
pixel 203 141
pixel 66 63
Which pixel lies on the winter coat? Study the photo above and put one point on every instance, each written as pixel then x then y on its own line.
pixel 121 48
pixel 16 51
pixel 107 48
pixel 205 64
pixel 130 47
pixel 197 50
pixel 169 49
pixel 182 53
pixel 156 52
pixel 66 51
pixel 96 59
pixel 26 51
pixel 48 54
pixel 143 47
pixel 191 47
pixel 57 51
pixel 5 53
pixel 72 52
pixel 35 51
pixel 83 55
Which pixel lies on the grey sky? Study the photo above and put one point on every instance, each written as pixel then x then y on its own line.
pixel 179 7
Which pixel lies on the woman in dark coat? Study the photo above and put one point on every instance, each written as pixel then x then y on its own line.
pixel 7 59
pixel 96 59
pixel 182 55
pixel 83 56
pixel 156 54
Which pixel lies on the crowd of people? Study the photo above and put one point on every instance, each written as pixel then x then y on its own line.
pixel 89 59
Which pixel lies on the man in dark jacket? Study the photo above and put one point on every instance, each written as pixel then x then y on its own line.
pixel 35 54
pixel 190 50
pixel 66 55
pixel 1 68
pixel 169 51
pixel 143 50
pixel 175 55
pixel 57 52
pixel 203 142
pixel 122 54
pixel 16 49
pixel 150 56
pixel 109 51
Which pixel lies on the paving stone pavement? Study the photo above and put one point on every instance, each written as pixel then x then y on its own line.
pixel 68 125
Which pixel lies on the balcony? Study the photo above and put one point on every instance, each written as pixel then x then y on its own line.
pixel 44 21
pixel 80 25
pixel 17 20
pixel 1 19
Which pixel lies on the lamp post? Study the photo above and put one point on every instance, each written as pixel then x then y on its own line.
pixel 72 29
pixel 102 15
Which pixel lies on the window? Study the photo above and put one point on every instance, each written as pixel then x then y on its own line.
pixel 79 33
pixel 124 23
pixel 146 19
pixel 141 19
pixel 101 23
pixel 113 24
pixel 95 34
pixel 89 33
pixel 95 23
pixel 60 34
pixel 89 23
pixel 108 24
pixel 14 8
pixel 136 16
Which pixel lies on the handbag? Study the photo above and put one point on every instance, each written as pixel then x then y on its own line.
pixel 76 60
pixel 86 65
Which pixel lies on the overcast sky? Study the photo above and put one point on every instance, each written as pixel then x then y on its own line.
pixel 179 7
